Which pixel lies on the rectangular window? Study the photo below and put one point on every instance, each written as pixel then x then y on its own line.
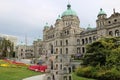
pixel 61 43
pixel 61 51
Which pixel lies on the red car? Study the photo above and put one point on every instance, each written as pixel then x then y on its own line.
pixel 40 68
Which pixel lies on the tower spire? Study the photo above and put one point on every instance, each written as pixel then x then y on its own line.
pixel 26 39
pixel 68 6
pixel 114 10
pixel 68 1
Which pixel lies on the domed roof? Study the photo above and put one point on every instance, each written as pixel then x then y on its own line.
pixel 46 25
pixel 69 11
pixel 101 12
pixel 58 17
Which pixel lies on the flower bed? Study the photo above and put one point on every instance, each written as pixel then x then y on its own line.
pixel 9 63
pixel 39 68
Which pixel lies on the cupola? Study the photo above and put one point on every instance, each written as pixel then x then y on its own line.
pixel 69 11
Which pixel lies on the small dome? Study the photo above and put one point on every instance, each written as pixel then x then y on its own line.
pixel 59 17
pixel 69 11
pixel 101 12
pixel 46 25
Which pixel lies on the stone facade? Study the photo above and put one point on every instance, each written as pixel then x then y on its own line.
pixel 24 52
pixel 67 38
pixel 38 48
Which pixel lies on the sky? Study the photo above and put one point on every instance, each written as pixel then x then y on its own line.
pixel 27 17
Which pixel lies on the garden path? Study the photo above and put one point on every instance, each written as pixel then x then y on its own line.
pixel 38 77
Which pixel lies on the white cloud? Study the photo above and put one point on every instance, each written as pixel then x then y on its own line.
pixel 19 17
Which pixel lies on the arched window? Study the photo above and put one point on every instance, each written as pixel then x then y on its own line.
pixel 94 38
pixel 83 49
pixel 110 33
pixel 66 50
pixel 61 66
pixel 53 77
pixel 56 66
pixel 65 77
pixel 51 49
pixel 57 72
pixel 56 57
pixel 51 64
pixel 83 42
pixel 78 41
pixel 56 50
pixel 70 78
pixel 69 69
pixel 60 60
pixel 90 39
pixel 116 33
pixel 61 51
pixel 61 43
pixel 67 32
pixel 86 40
pixel 56 43
pixel 65 70
pixel 66 42
pixel 78 50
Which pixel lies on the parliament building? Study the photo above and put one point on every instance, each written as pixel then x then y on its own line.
pixel 67 38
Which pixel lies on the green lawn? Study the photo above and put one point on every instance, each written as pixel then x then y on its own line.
pixel 16 73
pixel 75 77
pixel 19 73
pixel 7 73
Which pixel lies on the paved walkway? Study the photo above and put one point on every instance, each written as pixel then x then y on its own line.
pixel 39 77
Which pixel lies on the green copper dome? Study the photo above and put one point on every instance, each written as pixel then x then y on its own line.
pixel 101 12
pixel 58 17
pixel 69 11
pixel 46 25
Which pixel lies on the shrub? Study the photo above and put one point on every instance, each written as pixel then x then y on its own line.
pixel 112 74
pixel 99 73
pixel 85 71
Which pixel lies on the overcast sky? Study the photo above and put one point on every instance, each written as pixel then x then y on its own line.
pixel 28 17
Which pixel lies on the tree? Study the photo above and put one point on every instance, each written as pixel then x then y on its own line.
pixel 6 48
pixel 104 52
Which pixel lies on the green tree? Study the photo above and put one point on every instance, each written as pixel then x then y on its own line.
pixel 104 52
pixel 6 48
